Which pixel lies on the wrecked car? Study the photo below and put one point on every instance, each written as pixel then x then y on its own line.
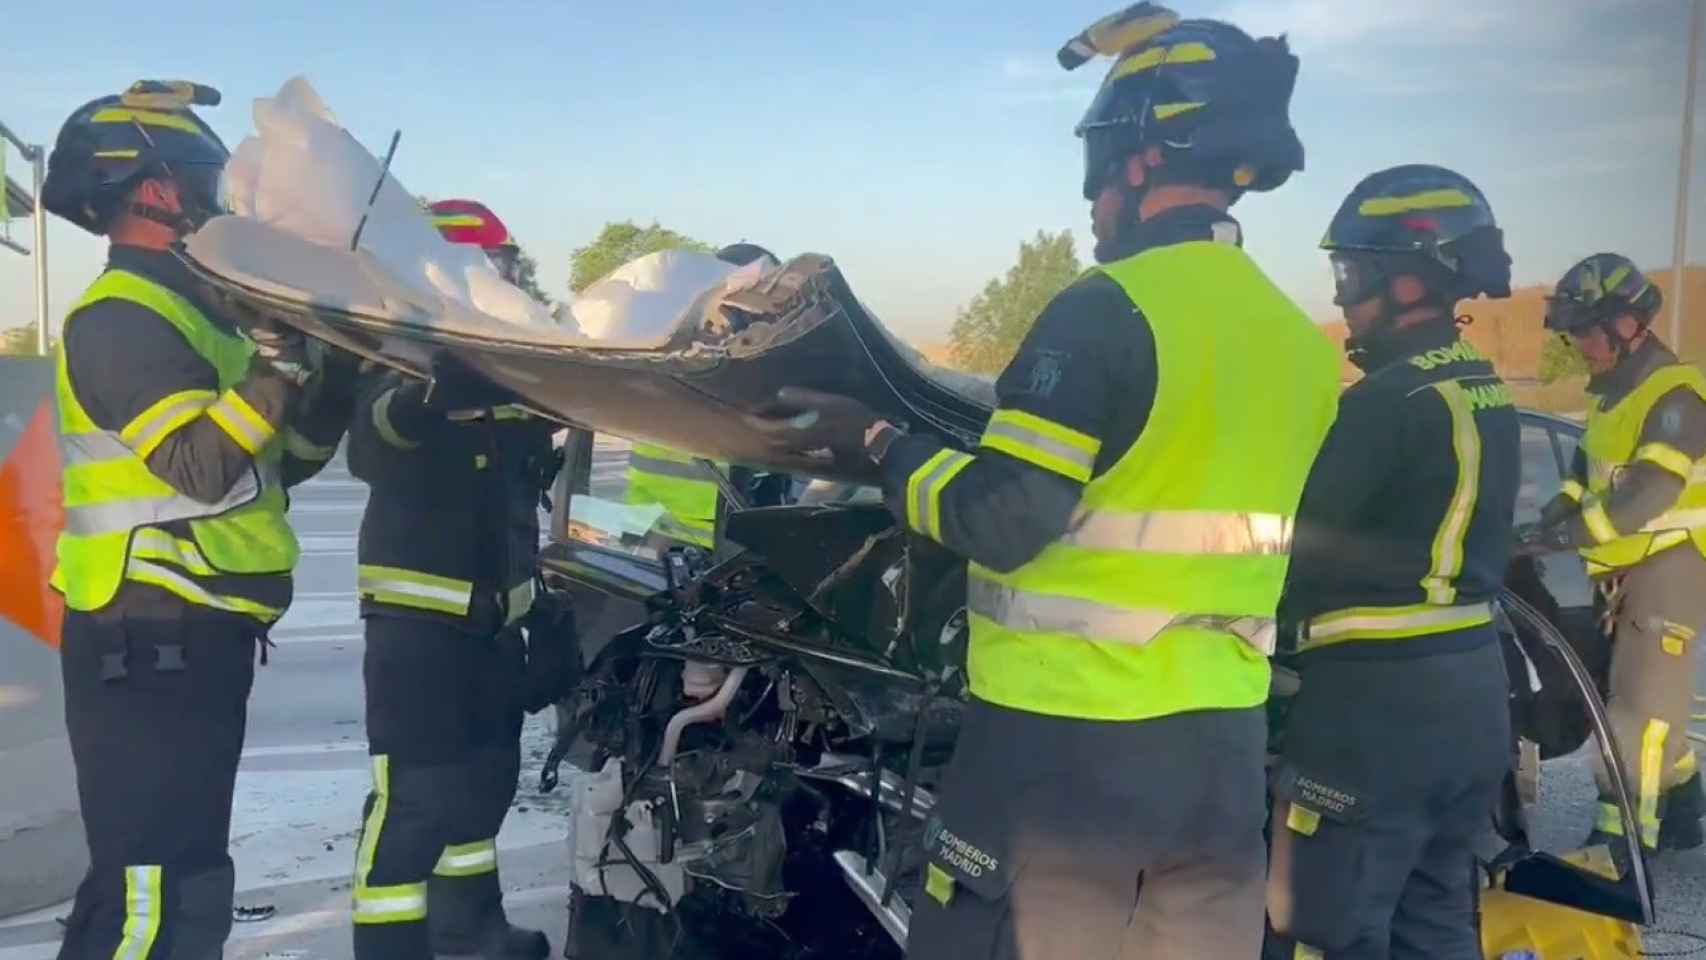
pixel 762 724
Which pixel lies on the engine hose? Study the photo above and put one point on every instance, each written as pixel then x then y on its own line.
pixel 653 885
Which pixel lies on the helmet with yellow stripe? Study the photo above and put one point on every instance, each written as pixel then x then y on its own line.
pixel 473 223
pixel 1598 290
pixel 1214 101
pixel 111 144
pixel 1422 220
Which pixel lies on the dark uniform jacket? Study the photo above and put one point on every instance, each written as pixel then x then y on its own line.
pixel 455 497
pixel 1411 499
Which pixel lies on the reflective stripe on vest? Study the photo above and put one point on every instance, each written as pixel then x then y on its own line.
pixel 397 903
pixel 1160 597
pixel 1613 443
pixel 400 587
pixel 468 859
pixel 144 907
pixel 112 500
pixel 1391 623
pixel 411 588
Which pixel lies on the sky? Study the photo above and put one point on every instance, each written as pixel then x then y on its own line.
pixel 916 142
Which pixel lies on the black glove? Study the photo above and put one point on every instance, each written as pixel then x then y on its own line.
pixel 282 351
pixel 553 651
pixel 806 421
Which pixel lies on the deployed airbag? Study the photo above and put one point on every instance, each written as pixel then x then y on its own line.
pixel 676 348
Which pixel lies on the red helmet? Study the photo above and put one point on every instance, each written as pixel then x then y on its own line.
pixel 472 222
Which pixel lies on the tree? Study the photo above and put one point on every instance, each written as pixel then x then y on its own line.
pixel 988 330
pixel 21 341
pixel 1559 360
pixel 619 243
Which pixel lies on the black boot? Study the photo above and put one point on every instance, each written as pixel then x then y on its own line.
pixel 1685 804
pixel 467 919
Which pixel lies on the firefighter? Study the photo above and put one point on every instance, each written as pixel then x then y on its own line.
pixel 1127 518
pixel 178 437
pixel 1402 540
pixel 446 571
pixel 1635 507
pixel 682 483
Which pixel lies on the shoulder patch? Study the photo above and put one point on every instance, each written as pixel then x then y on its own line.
pixel 1047 368
pixel 1670 422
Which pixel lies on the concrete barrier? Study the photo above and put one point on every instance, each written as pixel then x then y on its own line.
pixel 42 852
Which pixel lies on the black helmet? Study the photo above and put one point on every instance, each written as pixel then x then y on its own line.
pixel 1599 289
pixel 111 144
pixel 743 253
pixel 1214 100
pixel 1417 219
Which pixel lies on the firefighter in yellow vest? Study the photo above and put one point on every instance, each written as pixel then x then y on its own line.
pixel 1127 517
pixel 179 436
pixel 1635 507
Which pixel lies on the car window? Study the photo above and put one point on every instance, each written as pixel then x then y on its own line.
pixel 623 511
pixel 1541 475
pixel 1547 449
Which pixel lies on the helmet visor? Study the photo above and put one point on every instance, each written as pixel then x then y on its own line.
pixel 1572 312
pixel 1355 279
pixel 204 192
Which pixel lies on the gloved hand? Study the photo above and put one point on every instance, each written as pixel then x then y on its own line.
pixel 282 350
pixel 805 420
pixel 553 651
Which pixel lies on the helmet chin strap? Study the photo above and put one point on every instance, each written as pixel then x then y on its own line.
pixel 1131 215
pixel 178 222
pixel 1365 349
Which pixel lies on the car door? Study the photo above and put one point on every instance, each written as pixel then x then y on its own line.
pixel 1558 661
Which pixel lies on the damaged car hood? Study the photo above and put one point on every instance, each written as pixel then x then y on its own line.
pixel 693 388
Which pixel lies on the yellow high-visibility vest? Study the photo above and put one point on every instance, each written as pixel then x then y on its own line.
pixel 1612 443
pixel 1161 597
pixel 114 505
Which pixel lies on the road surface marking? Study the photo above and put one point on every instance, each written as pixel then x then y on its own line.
pixel 304 750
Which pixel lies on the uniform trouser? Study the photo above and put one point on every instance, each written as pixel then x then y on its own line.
pixel 156 754
pixel 444 731
pixel 1057 839
pixel 1658 608
pixel 1390 770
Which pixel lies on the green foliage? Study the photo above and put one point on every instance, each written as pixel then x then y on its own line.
pixel 988 330
pixel 1559 360
pixel 21 341
pixel 619 243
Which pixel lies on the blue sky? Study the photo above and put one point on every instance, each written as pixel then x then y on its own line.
pixel 918 143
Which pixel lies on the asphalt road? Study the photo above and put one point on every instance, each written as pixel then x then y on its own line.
pixel 303 776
